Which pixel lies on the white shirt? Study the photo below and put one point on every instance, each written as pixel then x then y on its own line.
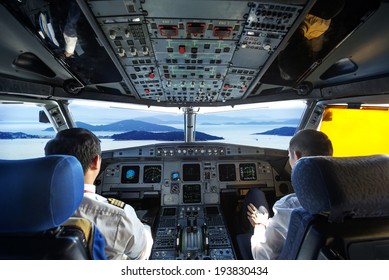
pixel 126 237
pixel 267 243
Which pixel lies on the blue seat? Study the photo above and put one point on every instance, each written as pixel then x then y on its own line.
pixel 37 197
pixel 345 209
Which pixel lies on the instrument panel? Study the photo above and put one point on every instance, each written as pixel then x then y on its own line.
pixel 190 179
pixel 192 52
pixel 190 173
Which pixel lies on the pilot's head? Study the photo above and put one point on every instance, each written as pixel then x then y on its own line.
pixel 78 142
pixel 309 142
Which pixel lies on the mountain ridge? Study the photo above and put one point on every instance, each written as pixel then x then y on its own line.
pixel 125 125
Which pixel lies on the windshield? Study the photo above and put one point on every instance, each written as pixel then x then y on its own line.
pixel 21 133
pixel 268 125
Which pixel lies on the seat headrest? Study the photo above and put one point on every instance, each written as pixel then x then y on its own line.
pixel 344 186
pixel 39 194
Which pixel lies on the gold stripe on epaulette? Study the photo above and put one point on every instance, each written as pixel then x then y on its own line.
pixel 116 202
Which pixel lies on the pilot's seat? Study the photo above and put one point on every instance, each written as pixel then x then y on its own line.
pixel 37 198
pixel 345 212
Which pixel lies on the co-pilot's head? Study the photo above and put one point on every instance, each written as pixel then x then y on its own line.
pixel 309 142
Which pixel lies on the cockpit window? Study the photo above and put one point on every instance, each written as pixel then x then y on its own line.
pixel 21 133
pixel 118 126
pixel 357 131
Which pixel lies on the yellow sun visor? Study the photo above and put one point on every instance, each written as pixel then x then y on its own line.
pixel 354 132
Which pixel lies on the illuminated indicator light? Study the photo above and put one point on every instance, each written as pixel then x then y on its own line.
pixel 181 49
pixel 226 86
pixel 147 90
pixel 151 75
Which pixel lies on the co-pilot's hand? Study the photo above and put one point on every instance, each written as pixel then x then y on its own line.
pixel 257 217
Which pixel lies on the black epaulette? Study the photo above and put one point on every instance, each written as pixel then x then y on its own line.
pixel 116 202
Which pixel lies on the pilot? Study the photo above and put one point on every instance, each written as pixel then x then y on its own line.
pixel 269 234
pixel 126 237
pixel 70 30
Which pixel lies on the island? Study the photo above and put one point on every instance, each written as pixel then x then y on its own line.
pixel 282 131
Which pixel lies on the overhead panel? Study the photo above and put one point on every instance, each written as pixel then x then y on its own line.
pixel 193 52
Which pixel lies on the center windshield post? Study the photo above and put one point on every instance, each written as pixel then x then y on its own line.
pixel 190 124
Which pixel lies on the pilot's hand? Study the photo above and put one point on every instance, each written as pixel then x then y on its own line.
pixel 257 216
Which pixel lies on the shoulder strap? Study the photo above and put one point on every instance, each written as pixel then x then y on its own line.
pixel 94 240
pixel 82 224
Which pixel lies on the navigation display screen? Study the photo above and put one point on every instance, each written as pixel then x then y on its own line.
pixel 152 174
pixel 248 172
pixel 130 174
pixel 191 172
pixel 191 193
pixel 227 172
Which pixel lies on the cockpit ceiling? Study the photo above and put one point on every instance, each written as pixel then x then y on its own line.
pixel 188 53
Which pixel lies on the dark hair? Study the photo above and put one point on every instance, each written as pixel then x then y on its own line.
pixel 78 142
pixel 310 142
